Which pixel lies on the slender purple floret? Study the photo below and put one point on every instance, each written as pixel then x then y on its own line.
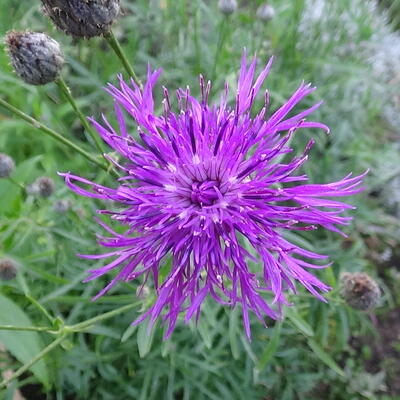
pixel 204 195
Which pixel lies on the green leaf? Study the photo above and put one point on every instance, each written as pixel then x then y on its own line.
pixel 271 348
pixel 296 238
pixel 302 325
pixel 128 333
pixel 145 338
pixel 325 357
pixel 330 277
pixel 233 332
pixel 22 345
pixel 204 330
pixel 343 330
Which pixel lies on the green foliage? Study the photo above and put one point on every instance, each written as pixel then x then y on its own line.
pixel 22 345
pixel 311 353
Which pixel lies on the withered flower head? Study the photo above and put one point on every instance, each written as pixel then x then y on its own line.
pixel 360 291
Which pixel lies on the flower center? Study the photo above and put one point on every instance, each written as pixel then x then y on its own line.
pixel 204 193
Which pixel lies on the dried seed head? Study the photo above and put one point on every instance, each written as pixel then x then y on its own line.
pixel 35 56
pixel 265 12
pixel 6 165
pixel 43 187
pixel 8 269
pixel 227 7
pixel 360 291
pixel 62 206
pixel 82 18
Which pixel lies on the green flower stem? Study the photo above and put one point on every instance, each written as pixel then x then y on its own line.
pixel 220 43
pixel 196 38
pixel 20 185
pixel 26 328
pixel 67 329
pixel 89 322
pixel 35 359
pixel 114 44
pixel 67 93
pixel 55 135
pixel 39 307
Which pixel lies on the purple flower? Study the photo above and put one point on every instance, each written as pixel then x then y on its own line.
pixel 204 200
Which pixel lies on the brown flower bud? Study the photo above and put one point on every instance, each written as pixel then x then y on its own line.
pixel 8 269
pixel 82 18
pixel 360 291
pixel 35 56
pixel 6 165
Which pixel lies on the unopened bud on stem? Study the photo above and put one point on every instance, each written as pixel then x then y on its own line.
pixel 62 206
pixel 43 187
pixel 6 165
pixel 265 12
pixel 227 7
pixel 82 18
pixel 8 269
pixel 35 56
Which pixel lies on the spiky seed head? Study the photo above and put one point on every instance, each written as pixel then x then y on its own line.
pixel 265 12
pixel 82 18
pixel 8 269
pixel 360 291
pixel 227 7
pixel 43 186
pixel 6 165
pixel 36 57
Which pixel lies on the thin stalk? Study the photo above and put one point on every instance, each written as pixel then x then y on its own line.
pixel 20 185
pixel 39 307
pixel 196 38
pixel 26 328
pixel 115 45
pixel 35 359
pixel 50 132
pixel 67 93
pixel 86 324
pixel 221 40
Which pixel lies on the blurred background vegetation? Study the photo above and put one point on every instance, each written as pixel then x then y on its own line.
pixel 350 50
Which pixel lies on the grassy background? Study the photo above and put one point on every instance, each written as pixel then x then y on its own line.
pixel 348 50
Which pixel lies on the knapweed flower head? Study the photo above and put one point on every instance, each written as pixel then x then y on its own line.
pixel 205 198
